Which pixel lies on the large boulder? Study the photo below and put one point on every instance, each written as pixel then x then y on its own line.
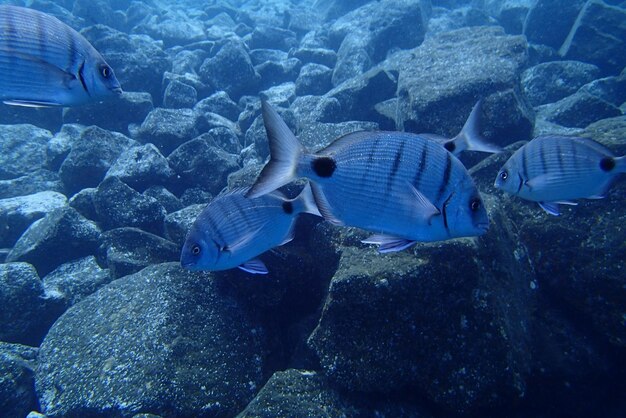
pixel 62 235
pixel 541 27
pixel 22 150
pixel 17 368
pixel 598 37
pixel 460 67
pixel 18 213
pixel 91 157
pixel 161 341
pixel 457 330
pixel 168 128
pixel 34 182
pixel 25 312
pixel 141 167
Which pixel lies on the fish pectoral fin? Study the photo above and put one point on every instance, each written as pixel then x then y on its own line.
pixel 31 103
pixel 244 240
pixel 254 266
pixel 425 210
pixel 551 208
pixel 388 243
pixel 541 181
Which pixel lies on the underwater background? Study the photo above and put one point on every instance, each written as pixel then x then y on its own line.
pixel 98 319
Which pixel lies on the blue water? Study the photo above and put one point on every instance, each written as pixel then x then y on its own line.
pixel 98 319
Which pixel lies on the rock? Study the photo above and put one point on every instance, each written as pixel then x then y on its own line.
pixel 17 213
pixel 168 200
pixel 201 163
pixel 91 157
pixel 45 118
pixel 230 70
pixel 98 11
pixel 179 95
pixel 127 250
pixel 178 223
pixel 273 73
pixel 578 110
pixel 17 390
pixel 25 313
pixel 174 27
pixel 510 14
pixel 310 55
pixel 261 55
pixel 367 33
pixel 83 202
pixel 226 139
pixel 194 196
pixel 541 27
pixel 34 182
pixel 113 115
pixel 74 281
pixel 188 62
pixel 168 128
pixel 598 37
pixel 138 60
pixel 22 150
pixel 310 109
pixel 610 89
pixel 280 95
pixel 552 81
pixel 297 393
pixel 219 103
pixel 313 79
pixel 119 205
pixel 333 9
pixel 62 235
pixel 140 167
pixel 487 65
pixel 462 341
pixel 264 36
pixel 61 143
pixel 165 342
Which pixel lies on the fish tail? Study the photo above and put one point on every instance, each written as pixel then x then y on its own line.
pixel 306 202
pixel 470 138
pixel 285 153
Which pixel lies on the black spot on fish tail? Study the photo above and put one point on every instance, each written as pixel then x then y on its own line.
pixel 446 177
pixel 450 146
pixel 324 166
pixel 607 163
pixel 288 207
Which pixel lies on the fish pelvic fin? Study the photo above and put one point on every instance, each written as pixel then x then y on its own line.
pixel 470 139
pixel 306 202
pixel 254 266
pixel 389 243
pixel 285 153
pixel 551 208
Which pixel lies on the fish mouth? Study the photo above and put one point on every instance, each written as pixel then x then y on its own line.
pixel 483 227
pixel 117 90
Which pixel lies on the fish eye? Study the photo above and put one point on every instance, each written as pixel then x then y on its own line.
pixel 474 204
pixel 504 175
pixel 105 70
pixel 195 250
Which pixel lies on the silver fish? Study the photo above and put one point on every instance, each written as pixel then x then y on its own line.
pixel 403 187
pixel 233 230
pixel 553 170
pixel 44 62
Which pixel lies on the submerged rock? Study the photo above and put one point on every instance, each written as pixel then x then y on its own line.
pixel 487 65
pixel 34 182
pixel 61 236
pixel 141 166
pixel 22 150
pixel 161 341
pixel 168 128
pixel 17 368
pixel 578 110
pixel 127 250
pixel 541 27
pixel 25 312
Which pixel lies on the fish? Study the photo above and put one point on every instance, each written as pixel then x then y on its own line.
pixel 402 187
pixel 469 139
pixel 44 62
pixel 557 170
pixel 233 230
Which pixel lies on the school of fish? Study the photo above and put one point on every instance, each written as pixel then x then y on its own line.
pixel 402 187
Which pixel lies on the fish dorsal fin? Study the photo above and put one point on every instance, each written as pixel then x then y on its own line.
pixel 425 209
pixel 551 208
pixel 254 266
pixel 348 140
pixel 388 243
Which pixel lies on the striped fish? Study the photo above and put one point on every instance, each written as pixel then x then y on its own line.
pixel 403 187
pixel 233 230
pixel 553 170
pixel 44 62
